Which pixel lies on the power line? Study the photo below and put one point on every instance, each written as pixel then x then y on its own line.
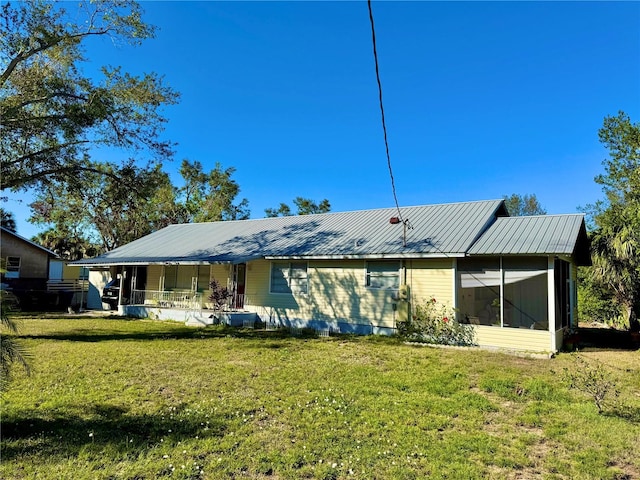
pixel 384 124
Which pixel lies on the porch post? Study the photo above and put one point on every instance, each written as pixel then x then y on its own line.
pixel 573 308
pixel 551 302
pixel 121 291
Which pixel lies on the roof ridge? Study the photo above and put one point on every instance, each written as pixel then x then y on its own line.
pixel 343 212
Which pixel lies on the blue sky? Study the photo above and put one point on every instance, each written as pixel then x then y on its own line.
pixel 482 99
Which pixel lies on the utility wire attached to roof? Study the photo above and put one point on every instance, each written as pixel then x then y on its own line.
pixel 384 124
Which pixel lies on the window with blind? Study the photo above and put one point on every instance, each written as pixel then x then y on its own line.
pixel 289 277
pixel 384 275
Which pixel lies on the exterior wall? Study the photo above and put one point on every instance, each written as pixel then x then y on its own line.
pixel 431 279
pixel 71 273
pixel 513 338
pixel 97 280
pixel 337 296
pixel 34 263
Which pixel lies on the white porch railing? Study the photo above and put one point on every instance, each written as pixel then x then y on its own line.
pixel 168 299
pixel 184 299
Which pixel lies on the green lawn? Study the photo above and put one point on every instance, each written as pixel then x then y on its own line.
pixel 111 398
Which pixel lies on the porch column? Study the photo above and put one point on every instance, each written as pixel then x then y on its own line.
pixel 573 308
pixel 551 302
pixel 121 291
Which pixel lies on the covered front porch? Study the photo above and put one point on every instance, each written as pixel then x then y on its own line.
pixel 178 291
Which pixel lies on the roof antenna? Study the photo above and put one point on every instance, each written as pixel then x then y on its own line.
pixel 406 225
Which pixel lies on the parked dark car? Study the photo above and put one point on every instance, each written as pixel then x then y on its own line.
pixel 111 293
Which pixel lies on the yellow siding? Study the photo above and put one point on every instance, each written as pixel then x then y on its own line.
pixel 221 274
pixel 337 291
pixel 431 279
pixel 69 272
pixel 513 338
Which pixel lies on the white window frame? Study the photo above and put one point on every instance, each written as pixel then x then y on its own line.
pixel 369 274
pixel 290 266
pixel 13 270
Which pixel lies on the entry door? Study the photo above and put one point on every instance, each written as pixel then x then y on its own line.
pixel 239 279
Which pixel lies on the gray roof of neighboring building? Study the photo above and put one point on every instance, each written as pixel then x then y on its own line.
pixel 536 235
pixel 436 231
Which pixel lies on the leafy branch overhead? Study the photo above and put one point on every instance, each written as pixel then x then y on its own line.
pixel 51 114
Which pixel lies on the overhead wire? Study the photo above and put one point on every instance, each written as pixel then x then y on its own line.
pixel 384 123
pixel 393 186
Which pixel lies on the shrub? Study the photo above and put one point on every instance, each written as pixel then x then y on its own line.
pixel 435 323
pixel 592 379
pixel 219 294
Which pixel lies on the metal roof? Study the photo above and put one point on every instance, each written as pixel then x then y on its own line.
pixel 536 235
pixel 435 231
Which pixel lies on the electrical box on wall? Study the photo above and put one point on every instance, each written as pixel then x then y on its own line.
pixel 403 292
pixel 404 310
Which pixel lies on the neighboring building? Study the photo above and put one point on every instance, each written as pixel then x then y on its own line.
pixel 27 264
pixel 38 277
pixel 512 278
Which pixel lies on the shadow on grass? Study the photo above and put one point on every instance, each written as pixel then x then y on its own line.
pixel 627 412
pixel 107 428
pixel 175 333
pixel 101 334
pixel 605 339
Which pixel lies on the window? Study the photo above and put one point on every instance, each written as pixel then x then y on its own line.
pixel 383 275
pixel 508 292
pixel 289 277
pixel 13 267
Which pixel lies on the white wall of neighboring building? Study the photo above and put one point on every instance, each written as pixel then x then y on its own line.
pixel 97 280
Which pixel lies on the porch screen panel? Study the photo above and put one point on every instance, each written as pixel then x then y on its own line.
pixel 185 277
pixel 479 292
pixel 203 278
pixel 525 293
pixel 170 277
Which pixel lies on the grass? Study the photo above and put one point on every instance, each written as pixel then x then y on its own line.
pixel 133 399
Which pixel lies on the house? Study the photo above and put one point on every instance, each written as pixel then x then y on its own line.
pixel 512 278
pixel 36 275
pixel 27 264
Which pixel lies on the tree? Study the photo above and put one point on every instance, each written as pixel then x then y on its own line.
pixel 616 239
pixel 97 212
pixel 51 115
pixel 520 206
pixel 67 245
pixel 209 197
pixel 109 208
pixel 11 350
pixel 8 221
pixel 305 206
